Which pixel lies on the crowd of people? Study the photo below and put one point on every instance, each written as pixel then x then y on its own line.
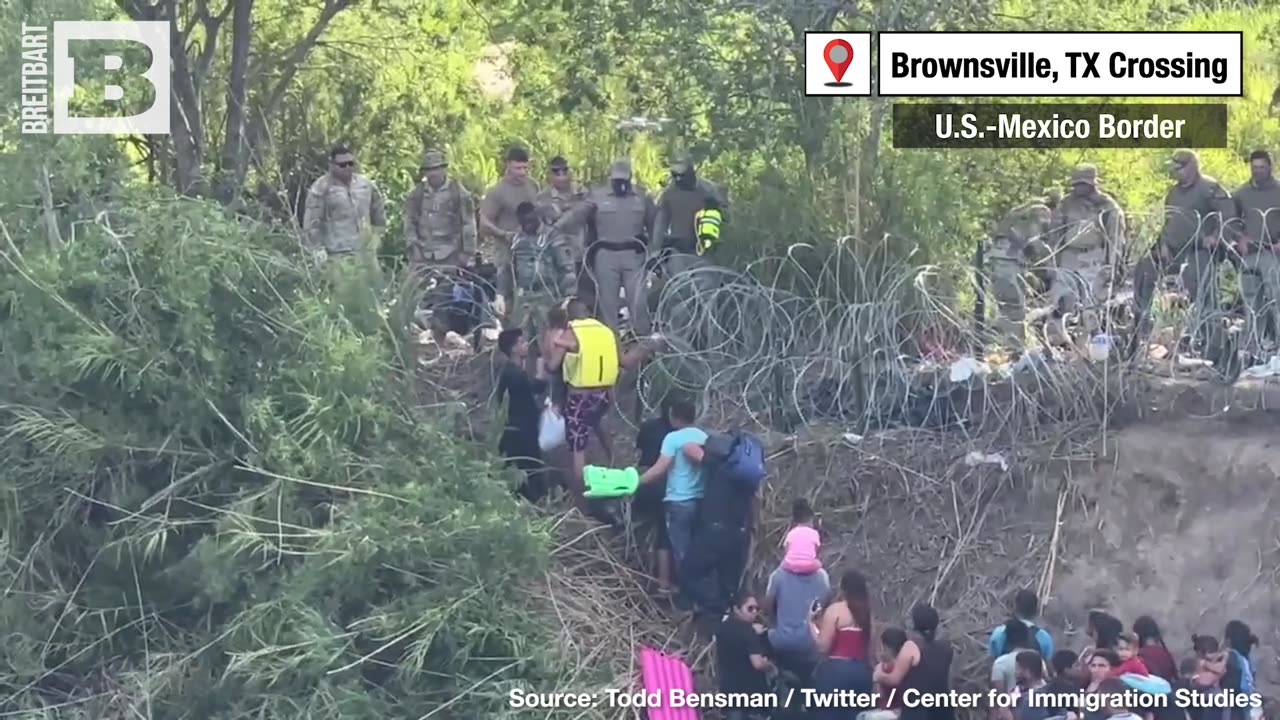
pixel 569 257
pixel 827 642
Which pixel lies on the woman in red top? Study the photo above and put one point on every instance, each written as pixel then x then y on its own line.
pixel 843 635
pixel 1152 650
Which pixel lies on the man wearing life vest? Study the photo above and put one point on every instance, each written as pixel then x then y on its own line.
pixel 590 358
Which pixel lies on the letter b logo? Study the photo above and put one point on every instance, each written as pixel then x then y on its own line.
pixel 153 121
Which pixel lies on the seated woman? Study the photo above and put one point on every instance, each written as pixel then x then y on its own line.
pixel 923 664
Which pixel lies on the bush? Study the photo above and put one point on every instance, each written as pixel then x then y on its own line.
pixel 220 499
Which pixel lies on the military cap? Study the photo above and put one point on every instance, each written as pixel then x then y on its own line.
pixel 1086 174
pixel 433 159
pixel 620 170
pixel 558 163
pixel 1182 157
pixel 681 163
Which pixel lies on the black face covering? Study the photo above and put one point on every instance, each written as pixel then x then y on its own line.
pixel 685 180
pixel 621 187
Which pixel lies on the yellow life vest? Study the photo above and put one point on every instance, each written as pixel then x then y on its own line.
pixel 706 223
pixel 595 365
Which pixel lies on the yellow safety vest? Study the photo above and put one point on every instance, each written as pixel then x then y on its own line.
pixel 706 223
pixel 595 365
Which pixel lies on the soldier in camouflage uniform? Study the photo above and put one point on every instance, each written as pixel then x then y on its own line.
pixel 1018 238
pixel 562 194
pixel 344 211
pixel 542 269
pixel 1086 232
pixel 440 232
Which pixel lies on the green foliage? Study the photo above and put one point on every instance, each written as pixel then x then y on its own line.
pixel 218 501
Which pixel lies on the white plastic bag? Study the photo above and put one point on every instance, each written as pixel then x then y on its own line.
pixel 551 432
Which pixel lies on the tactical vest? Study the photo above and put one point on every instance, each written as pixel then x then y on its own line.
pixel 706 223
pixel 595 364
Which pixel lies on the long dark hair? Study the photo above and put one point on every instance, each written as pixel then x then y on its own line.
pixel 1239 637
pixel 1148 632
pixel 853 586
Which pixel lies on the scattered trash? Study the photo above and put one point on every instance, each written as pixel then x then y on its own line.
pixel 851 438
pixel 1100 347
pixel 1190 362
pixel 1270 368
pixel 967 367
pixel 979 458
pixel 456 341
pixel 1030 360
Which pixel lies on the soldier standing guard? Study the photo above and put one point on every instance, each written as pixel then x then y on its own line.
pixel 440 233
pixel 344 211
pixel 1086 233
pixel 562 194
pixel 1018 237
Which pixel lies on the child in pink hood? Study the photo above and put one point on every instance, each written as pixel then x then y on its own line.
pixel 802 541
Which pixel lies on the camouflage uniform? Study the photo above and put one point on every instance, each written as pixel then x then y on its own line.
pixel 340 218
pixel 1085 233
pixel 552 205
pixel 1018 236
pixel 1202 208
pixel 543 271
pixel 439 230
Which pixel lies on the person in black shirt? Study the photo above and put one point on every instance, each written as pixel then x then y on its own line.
pixel 519 443
pixel 717 557
pixel 741 663
pixel 647 504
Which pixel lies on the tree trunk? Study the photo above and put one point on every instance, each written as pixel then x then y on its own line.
pixel 235 145
pixel 188 125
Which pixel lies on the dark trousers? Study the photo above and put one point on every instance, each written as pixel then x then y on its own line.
pixel 522 452
pixel 711 573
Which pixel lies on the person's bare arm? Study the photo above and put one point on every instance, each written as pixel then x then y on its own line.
pixel 377 207
pixel 826 635
pixel 658 471
pixel 489 215
pixel 693 451
pixel 908 657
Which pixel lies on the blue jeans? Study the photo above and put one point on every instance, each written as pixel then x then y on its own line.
pixel 681 519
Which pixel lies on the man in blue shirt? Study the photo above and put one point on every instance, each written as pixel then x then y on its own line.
pixel 1026 607
pixel 683 476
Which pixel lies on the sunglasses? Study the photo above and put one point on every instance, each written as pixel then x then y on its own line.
pixel 347 164
pixel 434 167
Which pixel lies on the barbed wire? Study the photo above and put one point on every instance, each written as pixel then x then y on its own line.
pixel 808 336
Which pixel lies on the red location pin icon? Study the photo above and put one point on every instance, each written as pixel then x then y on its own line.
pixel 839 55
